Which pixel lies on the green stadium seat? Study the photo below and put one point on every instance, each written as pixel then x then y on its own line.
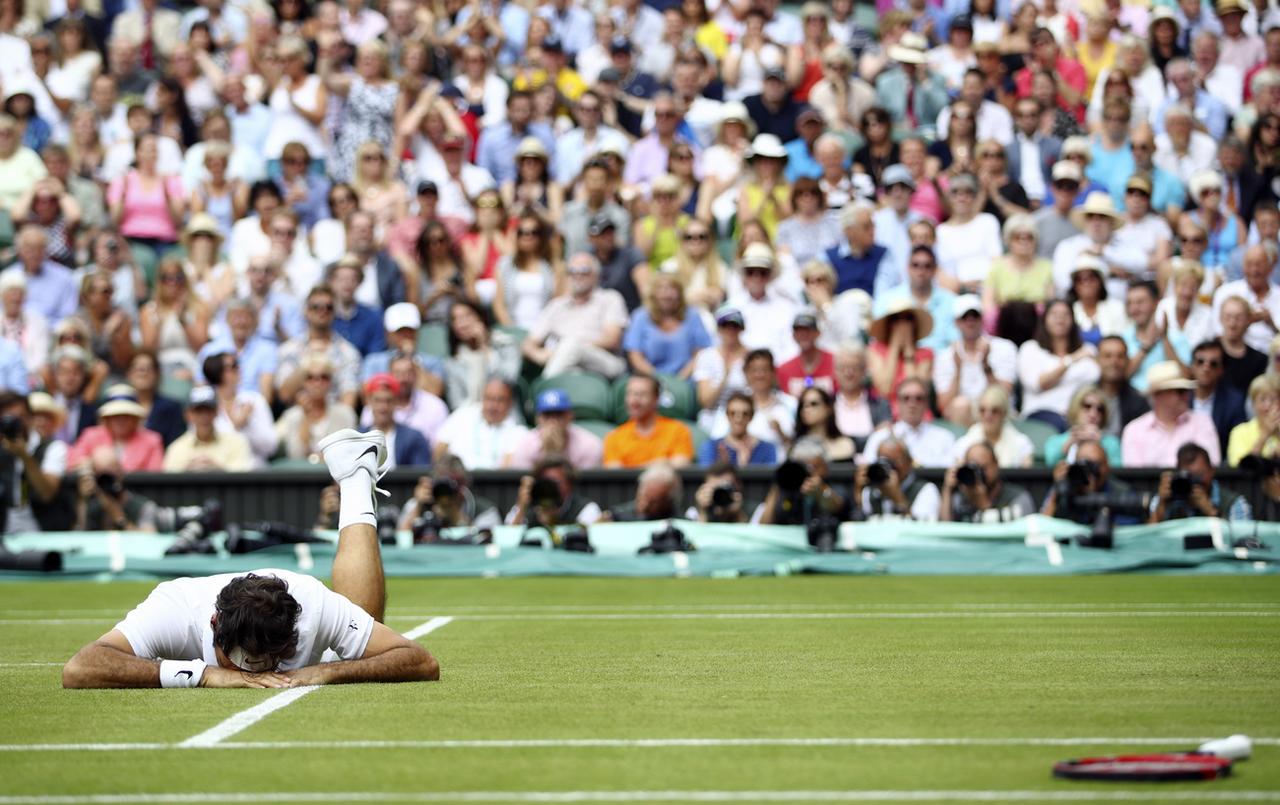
pixel 597 426
pixel 433 339
pixel 956 430
pixel 699 437
pixel 175 388
pixel 1039 433
pixel 588 392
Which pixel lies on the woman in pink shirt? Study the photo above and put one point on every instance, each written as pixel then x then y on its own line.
pixel 140 450
pixel 147 208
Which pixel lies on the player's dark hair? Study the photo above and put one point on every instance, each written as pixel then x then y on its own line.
pixel 257 615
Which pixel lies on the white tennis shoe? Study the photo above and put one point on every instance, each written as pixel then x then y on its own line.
pixel 349 451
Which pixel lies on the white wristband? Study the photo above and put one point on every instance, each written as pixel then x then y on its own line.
pixel 181 673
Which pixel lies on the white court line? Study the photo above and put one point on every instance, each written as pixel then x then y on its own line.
pixel 247 718
pixel 31 664
pixel 634 743
pixel 657 796
pixel 961 614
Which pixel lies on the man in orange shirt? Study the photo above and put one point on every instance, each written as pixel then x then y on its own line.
pixel 646 437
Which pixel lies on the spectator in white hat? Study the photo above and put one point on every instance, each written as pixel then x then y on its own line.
pixel 1053 220
pixel 1153 439
pixel 972 363
pixel 1098 220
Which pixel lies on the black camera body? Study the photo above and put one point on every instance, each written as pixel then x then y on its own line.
pixel 388 524
pixel 823 530
pixel 878 473
pixel 668 540
pixel 546 494
pixel 12 427
pixel 970 475
pixel 111 484
pixel 1181 485
pixel 790 476
pixel 427 528
pixel 444 488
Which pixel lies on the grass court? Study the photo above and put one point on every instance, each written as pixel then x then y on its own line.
pixel 801 689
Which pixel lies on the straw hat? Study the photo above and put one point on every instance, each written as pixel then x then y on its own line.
pixel 531 147
pixel 910 49
pixel 122 400
pixel 43 403
pixel 1167 376
pixel 202 223
pixel 1096 203
pixel 758 255
pixel 1089 262
pixel 735 112
pixel 879 329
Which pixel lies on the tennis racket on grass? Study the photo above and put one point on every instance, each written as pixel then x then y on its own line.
pixel 1211 761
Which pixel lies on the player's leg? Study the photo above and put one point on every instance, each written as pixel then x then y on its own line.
pixel 354 459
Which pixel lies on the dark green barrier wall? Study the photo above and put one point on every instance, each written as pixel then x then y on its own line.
pixel 292 495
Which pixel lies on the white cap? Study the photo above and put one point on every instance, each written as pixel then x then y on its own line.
pixel 401 316
pixel 965 303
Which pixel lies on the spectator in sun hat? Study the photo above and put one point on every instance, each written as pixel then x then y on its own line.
pixel 405 446
pixel 121 416
pixel 204 447
pixel 555 433
pixel 1153 439
pixel 908 79
pixel 1098 219
pixel 761 305
pixel 1053 219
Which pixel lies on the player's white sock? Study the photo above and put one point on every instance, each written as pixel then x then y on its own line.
pixel 356 501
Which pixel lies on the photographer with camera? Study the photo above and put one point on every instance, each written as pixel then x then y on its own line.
pixel 102 501
pixel 1192 491
pixel 1083 486
pixel 889 489
pixel 33 466
pixel 1267 504
pixel 719 498
pixel 974 492
pixel 443 500
pixel 800 495
pixel 659 494
pixel 548 497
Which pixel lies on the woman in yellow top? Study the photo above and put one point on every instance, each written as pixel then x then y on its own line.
pixel 657 235
pixel 1097 50
pixel 707 33
pixel 765 196
pixel 1018 275
pixel 1259 436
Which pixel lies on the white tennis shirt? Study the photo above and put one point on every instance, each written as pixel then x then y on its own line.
pixel 173 622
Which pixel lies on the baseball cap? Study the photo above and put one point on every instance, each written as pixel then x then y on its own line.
pixel 730 315
pixel 609 76
pixel 966 303
pixel 619 44
pixel 962 21
pixel 600 224
pixel 552 44
pixel 428 186
pixel 202 397
pixel 806 320
pixel 897 173
pixel 1139 181
pixel 553 401
pixel 383 381
pixel 776 72
pixel 810 113
pixel 402 316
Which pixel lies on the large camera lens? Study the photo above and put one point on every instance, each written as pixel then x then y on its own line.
pixel 878 472
pixel 444 488
pixel 968 475
pixel 722 497
pixel 791 476
pixel 1180 487
pixel 10 426
pixel 545 492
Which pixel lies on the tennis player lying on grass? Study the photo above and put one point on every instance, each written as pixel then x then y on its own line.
pixel 270 628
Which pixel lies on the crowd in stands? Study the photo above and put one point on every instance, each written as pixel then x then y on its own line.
pixel 566 234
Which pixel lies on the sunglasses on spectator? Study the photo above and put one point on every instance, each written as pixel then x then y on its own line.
pixel 1193 238
pixel 321 307
pixel 1212 364
pixel 756 272
pixel 172 278
pixel 320 377
pixel 1093 406
pixel 697 236
pixel 813 404
pixel 528 233
pixel 911 398
pixel 985 410
pixel 1067 185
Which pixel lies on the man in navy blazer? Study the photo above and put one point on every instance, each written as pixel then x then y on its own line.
pixel 1223 402
pixel 1029 142
pixel 406 447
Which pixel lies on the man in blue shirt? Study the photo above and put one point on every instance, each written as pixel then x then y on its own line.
pixel 50 289
pixel 359 324
pixel 496 151
pixel 255 355
pixel 800 160
pixel 859 261
pixel 1149 341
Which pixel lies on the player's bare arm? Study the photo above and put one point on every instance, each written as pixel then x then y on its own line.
pixel 109 662
pixel 389 657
